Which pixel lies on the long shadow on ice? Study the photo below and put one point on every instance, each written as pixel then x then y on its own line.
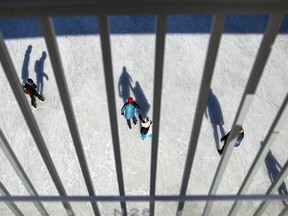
pixel 141 99
pixel 124 85
pixel 273 168
pixel 40 74
pixel 25 69
pixel 214 113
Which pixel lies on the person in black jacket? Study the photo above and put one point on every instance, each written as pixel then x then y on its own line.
pixel 30 88
pixel 224 139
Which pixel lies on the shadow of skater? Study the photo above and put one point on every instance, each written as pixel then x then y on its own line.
pixel 273 168
pixel 124 85
pixel 39 70
pixel 214 111
pixel 141 99
pixel 25 70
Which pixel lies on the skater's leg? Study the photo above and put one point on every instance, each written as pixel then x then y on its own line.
pixel 129 123
pixel 33 101
pixel 134 120
pixel 38 95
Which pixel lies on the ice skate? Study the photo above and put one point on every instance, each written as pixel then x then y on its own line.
pixel 219 151
pixel 34 104
pixel 41 97
pixel 134 121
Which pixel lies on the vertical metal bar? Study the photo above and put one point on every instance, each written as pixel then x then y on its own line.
pixel 31 122
pixel 284 212
pixel 20 171
pixel 159 61
pixel 276 184
pixel 49 34
pixel 281 117
pixel 13 207
pixel 108 71
pixel 217 29
pixel 262 56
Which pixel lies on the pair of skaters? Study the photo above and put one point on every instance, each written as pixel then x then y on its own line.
pixel 129 109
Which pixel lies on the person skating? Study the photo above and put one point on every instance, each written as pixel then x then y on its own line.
pixel 30 88
pixel 224 139
pixel 129 110
pixel 146 128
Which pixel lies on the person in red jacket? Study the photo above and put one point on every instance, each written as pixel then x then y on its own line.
pixel 30 88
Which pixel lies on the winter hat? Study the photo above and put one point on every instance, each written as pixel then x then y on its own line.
pixel 29 81
pixel 146 122
pixel 130 100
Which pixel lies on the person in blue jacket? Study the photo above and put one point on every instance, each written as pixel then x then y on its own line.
pixel 129 110
pixel 239 138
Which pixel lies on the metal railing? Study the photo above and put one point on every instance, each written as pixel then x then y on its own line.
pixel 44 10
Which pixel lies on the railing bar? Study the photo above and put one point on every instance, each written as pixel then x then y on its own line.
pixel 37 8
pixel 158 80
pixel 139 198
pixel 30 120
pixel 257 70
pixel 49 34
pixel 108 72
pixel 20 171
pixel 284 212
pixel 269 140
pixel 273 188
pixel 217 29
pixel 13 207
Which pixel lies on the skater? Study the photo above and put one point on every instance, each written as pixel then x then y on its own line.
pixel 129 109
pixel 30 88
pixel 239 138
pixel 146 128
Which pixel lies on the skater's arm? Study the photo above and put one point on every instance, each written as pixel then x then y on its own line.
pixel 123 108
pixel 136 111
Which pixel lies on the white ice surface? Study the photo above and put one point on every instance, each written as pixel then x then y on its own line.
pixel 183 66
